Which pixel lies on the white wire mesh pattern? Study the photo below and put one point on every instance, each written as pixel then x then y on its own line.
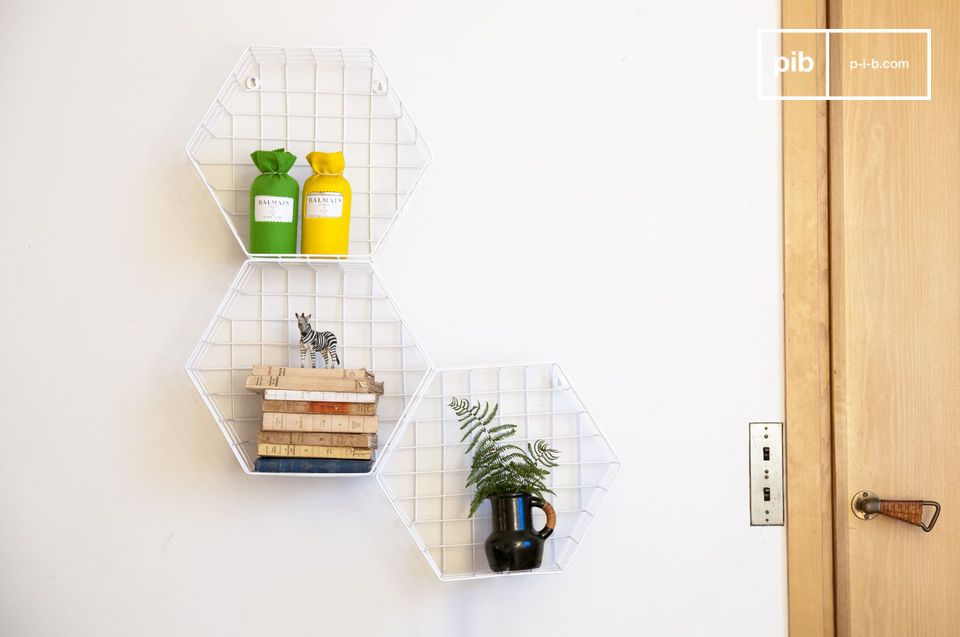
pixel 424 473
pixel 307 99
pixel 255 325
pixel 304 100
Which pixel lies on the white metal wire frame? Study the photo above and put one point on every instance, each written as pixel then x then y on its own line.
pixel 308 99
pixel 424 473
pixel 255 325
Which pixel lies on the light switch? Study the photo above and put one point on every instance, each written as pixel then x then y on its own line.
pixel 766 474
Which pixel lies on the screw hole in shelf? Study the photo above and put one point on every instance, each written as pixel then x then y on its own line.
pixel 558 381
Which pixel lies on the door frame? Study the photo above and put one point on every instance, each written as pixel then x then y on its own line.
pixel 807 357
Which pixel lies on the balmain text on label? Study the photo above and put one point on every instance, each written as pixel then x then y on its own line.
pixel 324 205
pixel 273 209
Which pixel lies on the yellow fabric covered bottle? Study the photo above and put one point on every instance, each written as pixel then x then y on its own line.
pixel 326 206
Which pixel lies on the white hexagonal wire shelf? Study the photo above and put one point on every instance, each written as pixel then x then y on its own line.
pixel 307 99
pixel 304 100
pixel 255 325
pixel 423 475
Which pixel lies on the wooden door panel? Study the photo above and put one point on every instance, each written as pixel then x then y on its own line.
pixel 895 334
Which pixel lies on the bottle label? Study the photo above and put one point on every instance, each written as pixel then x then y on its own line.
pixel 324 205
pixel 273 209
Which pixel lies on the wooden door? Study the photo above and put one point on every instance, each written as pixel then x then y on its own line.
pixel 894 172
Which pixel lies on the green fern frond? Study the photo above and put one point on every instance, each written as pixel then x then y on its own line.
pixel 543 454
pixel 460 405
pixel 499 466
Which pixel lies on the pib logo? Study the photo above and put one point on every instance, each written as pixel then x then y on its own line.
pixel 797 62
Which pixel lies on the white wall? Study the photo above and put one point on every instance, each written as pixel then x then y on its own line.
pixel 634 238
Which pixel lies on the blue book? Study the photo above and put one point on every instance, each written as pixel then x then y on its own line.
pixel 311 465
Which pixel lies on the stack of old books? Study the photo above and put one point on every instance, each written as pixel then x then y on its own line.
pixel 316 420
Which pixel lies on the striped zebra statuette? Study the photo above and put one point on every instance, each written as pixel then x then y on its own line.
pixel 323 342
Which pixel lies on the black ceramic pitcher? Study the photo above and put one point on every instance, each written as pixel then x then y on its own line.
pixel 514 545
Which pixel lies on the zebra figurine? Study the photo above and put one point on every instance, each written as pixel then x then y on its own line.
pixel 323 342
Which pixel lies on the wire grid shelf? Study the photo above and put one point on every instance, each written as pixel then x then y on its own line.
pixel 304 100
pixel 424 473
pixel 255 325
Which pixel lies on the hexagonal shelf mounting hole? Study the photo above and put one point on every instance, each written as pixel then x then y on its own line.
pixel 255 325
pixel 424 474
pixel 306 99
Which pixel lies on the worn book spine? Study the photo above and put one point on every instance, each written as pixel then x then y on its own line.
pixel 310 372
pixel 304 383
pixel 307 407
pixel 319 396
pixel 326 423
pixel 314 451
pixel 311 465
pixel 368 441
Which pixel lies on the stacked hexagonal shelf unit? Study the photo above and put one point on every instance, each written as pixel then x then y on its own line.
pixel 425 473
pixel 306 99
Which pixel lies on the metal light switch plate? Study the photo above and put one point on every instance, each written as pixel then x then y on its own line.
pixel 766 474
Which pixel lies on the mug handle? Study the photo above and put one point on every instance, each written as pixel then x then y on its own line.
pixel 551 524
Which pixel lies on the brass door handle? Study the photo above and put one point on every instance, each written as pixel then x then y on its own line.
pixel 868 505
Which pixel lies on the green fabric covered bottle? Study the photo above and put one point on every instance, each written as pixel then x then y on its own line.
pixel 273 204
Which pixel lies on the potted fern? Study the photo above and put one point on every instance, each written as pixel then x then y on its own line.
pixel 512 478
